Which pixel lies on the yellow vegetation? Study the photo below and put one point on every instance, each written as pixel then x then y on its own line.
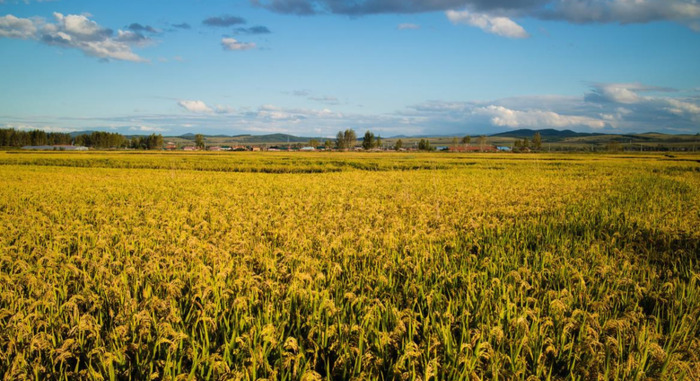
pixel 349 266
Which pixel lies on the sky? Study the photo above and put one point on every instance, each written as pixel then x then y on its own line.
pixel 315 67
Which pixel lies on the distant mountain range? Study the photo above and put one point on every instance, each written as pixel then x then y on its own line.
pixel 545 133
pixel 253 139
pixel 242 138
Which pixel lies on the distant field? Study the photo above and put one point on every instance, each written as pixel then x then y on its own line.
pixel 386 266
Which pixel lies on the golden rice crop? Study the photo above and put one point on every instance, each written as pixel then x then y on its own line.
pixel 349 266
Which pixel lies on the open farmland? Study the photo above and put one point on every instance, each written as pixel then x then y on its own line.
pixel 349 266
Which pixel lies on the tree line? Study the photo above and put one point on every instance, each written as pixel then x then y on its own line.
pixel 9 137
pixel 100 139
pixel 525 144
pixel 348 139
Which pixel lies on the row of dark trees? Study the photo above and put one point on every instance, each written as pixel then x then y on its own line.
pixel 370 141
pixel 9 137
pixel 99 139
pixel 348 138
pixel 151 141
pixel 535 144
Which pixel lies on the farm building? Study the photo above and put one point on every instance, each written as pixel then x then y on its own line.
pixel 488 148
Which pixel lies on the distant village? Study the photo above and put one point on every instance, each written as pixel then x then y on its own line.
pixel 525 141
pixel 171 146
pixel 345 141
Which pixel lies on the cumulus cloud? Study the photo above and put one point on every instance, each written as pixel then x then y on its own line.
pixel 505 117
pixel 77 27
pixel 132 38
pixel 686 12
pixel 136 27
pixel 627 93
pixel 76 32
pixel 223 21
pixel 13 27
pixel 195 106
pixel 502 26
pixel 294 115
pixel 229 43
pixel 183 25
pixel 644 104
pixel 606 107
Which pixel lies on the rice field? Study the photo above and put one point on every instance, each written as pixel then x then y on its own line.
pixel 340 266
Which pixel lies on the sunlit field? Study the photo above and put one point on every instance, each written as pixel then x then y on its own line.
pixel 320 266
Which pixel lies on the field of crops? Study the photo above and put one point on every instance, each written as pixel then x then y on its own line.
pixel 315 266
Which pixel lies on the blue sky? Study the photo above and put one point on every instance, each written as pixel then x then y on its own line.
pixel 313 67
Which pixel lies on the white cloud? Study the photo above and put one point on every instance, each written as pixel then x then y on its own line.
pixel 608 107
pixel 133 38
pixel 195 106
pixel 233 44
pixel 147 129
pixel 13 27
pixel 408 26
pixel 684 109
pixel 505 117
pixel 75 32
pixel 652 106
pixel 271 112
pixel 80 26
pixel 30 127
pixel 502 26
pixel 626 93
pixel 223 109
